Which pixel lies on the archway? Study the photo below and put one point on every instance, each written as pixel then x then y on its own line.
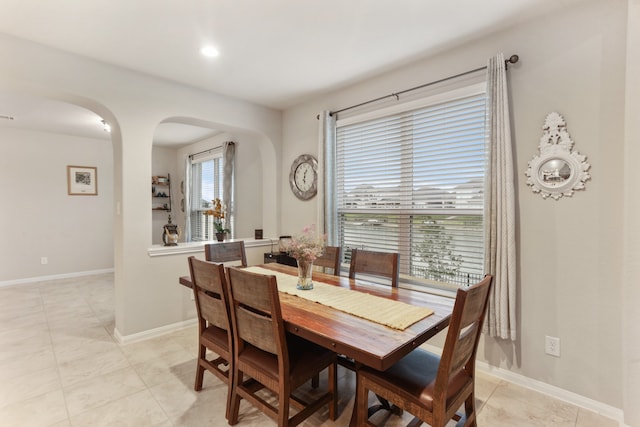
pixel 71 234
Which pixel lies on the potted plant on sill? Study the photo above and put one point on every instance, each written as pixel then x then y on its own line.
pixel 218 213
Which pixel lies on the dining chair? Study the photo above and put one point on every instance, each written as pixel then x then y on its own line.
pixel 373 263
pixel 225 252
pixel 276 360
pixel 330 259
pixel 429 387
pixel 214 326
pixel 383 264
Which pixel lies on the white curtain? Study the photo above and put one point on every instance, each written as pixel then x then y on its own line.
pixel 187 199
pixel 228 183
pixel 326 175
pixel 500 246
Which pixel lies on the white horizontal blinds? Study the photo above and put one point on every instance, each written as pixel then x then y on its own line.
pixel 412 182
pixel 370 164
pixel 449 155
pixel 206 182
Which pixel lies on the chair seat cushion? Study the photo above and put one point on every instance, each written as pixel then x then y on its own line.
pixel 305 359
pixel 413 378
pixel 216 336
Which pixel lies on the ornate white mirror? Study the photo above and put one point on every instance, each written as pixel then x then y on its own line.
pixel 557 171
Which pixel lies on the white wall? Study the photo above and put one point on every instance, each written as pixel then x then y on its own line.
pixel 631 290
pixel 570 251
pixel 147 295
pixel 75 233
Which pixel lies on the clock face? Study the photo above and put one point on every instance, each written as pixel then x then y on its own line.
pixel 303 177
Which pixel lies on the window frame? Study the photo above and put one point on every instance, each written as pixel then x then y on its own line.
pixel 425 102
pixel 198 221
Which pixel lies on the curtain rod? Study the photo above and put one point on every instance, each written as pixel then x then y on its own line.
pixel 512 60
pixel 191 156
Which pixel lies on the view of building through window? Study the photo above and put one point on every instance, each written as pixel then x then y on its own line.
pixel 413 182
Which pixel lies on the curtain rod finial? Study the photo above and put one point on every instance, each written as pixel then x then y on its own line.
pixel 513 59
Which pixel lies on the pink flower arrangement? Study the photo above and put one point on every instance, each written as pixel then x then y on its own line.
pixel 307 246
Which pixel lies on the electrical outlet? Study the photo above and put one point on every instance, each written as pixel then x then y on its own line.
pixel 552 346
pixel 44 260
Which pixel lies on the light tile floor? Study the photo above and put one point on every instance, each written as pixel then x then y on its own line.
pixel 60 366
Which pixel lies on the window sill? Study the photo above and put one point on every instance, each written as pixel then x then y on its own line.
pixel 198 247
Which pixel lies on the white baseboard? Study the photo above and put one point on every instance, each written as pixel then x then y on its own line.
pixel 548 389
pixel 152 333
pixel 54 277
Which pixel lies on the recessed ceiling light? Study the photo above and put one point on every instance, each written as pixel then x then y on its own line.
pixel 209 51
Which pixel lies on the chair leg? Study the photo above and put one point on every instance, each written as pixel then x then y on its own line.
pixel 284 396
pixel 234 401
pixel 315 381
pixel 470 410
pixel 333 389
pixel 362 400
pixel 202 352
pixel 230 376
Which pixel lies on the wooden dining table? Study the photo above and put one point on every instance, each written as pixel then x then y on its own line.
pixel 366 342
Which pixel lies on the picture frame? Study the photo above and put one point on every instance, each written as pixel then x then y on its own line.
pixel 82 180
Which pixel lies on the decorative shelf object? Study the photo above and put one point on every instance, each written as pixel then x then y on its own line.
pixel 161 193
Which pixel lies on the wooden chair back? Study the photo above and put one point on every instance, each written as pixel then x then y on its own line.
pixel 226 252
pixel 461 344
pixel 383 264
pixel 331 258
pixel 210 293
pixel 255 311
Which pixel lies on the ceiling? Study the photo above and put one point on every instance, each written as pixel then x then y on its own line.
pixel 275 53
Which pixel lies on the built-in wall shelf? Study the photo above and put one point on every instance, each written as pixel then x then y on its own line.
pixel 161 193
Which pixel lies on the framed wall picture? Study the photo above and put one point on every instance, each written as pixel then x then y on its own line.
pixel 82 180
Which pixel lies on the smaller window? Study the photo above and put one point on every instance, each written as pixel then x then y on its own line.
pixel 206 185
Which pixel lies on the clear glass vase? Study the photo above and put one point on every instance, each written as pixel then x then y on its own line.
pixel 305 269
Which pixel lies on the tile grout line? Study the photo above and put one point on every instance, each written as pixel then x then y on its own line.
pixel 55 356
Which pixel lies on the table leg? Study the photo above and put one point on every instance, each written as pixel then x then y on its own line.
pixel 354 413
pixel 384 404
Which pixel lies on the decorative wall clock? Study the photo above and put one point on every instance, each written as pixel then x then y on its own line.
pixel 557 171
pixel 303 177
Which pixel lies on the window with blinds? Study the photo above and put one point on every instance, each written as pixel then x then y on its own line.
pixel 206 185
pixel 413 182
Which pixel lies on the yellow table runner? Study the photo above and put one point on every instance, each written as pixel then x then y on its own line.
pixel 395 314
